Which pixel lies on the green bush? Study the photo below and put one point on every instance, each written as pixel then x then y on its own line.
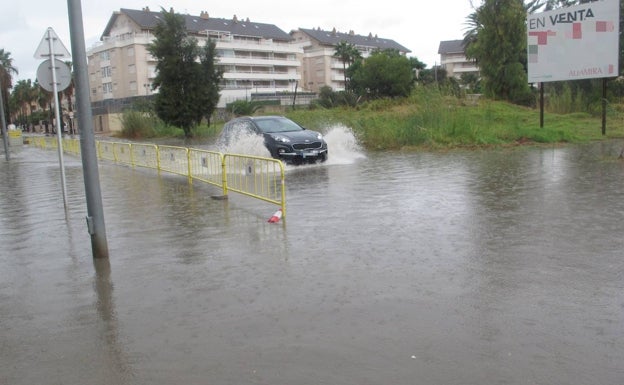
pixel 137 124
pixel 243 107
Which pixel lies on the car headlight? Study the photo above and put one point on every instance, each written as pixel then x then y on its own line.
pixel 281 139
pixel 319 136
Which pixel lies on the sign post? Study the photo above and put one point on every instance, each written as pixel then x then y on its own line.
pixel 48 71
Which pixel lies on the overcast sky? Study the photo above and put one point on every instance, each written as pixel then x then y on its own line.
pixel 420 29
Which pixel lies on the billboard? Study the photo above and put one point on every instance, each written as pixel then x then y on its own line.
pixel 579 42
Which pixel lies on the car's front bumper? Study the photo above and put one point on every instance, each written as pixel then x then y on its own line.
pixel 302 155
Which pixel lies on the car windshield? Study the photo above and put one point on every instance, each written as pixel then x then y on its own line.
pixel 271 125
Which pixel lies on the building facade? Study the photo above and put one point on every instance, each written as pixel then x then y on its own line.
pixel 259 60
pixel 320 67
pixel 453 59
pixel 256 58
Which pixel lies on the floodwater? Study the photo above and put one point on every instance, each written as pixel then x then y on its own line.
pixel 464 267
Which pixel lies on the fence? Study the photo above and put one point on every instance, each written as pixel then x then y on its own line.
pixel 257 177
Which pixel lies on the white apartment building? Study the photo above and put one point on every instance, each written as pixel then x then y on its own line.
pixel 320 67
pixel 256 58
pixel 453 59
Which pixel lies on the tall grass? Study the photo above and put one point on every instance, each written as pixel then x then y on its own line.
pixel 141 125
pixel 138 124
pixel 429 118
pixel 563 101
pixel 433 119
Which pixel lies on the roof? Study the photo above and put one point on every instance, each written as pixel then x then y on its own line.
pixel 333 38
pixel 451 46
pixel 148 20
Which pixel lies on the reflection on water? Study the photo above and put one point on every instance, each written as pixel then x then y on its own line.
pixel 500 266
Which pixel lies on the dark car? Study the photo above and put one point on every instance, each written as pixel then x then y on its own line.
pixel 285 139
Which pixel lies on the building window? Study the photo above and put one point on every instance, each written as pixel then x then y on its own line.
pixel 131 68
pixel 105 55
pixel 107 72
pixel 107 88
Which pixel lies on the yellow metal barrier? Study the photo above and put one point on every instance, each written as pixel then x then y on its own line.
pixel 257 177
pixel 50 142
pixel 71 145
pixel 106 150
pixel 122 152
pixel 207 166
pixel 38 141
pixel 145 155
pixel 174 160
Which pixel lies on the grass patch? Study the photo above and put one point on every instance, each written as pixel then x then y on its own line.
pixel 429 119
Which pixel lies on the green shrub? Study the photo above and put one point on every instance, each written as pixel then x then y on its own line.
pixel 137 124
pixel 243 107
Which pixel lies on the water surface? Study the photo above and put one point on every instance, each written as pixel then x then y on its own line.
pixel 477 267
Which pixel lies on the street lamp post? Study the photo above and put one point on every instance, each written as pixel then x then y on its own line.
pixel 295 91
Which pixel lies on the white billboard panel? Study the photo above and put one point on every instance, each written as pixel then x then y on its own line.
pixel 572 43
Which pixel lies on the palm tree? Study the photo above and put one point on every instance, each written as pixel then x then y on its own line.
pixel 473 25
pixel 69 93
pixel 348 54
pixel 44 99
pixel 22 98
pixel 6 78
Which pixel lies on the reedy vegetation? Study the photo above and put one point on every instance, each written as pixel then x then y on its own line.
pixel 433 119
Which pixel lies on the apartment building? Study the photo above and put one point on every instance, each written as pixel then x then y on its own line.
pixel 256 58
pixel 453 59
pixel 320 67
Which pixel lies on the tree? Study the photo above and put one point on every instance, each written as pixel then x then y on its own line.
pixel 6 79
pixel 497 41
pixel 44 100
pixel 384 74
pixel 417 66
pixel 471 82
pixel 436 74
pixel 211 76
pixel 348 54
pixel 68 93
pixel 187 77
pixel 23 96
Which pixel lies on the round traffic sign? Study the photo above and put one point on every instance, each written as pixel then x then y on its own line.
pixel 44 75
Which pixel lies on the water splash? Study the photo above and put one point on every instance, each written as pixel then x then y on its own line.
pixel 246 144
pixel 343 145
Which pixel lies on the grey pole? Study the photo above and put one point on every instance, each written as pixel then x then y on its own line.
pixel 95 212
pixel 5 137
pixel 57 114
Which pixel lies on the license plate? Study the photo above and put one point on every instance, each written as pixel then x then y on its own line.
pixel 310 153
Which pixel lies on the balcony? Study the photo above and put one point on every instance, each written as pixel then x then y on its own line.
pixel 246 60
pixel 257 46
pixel 260 75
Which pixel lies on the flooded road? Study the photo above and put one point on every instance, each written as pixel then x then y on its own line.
pixel 478 267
